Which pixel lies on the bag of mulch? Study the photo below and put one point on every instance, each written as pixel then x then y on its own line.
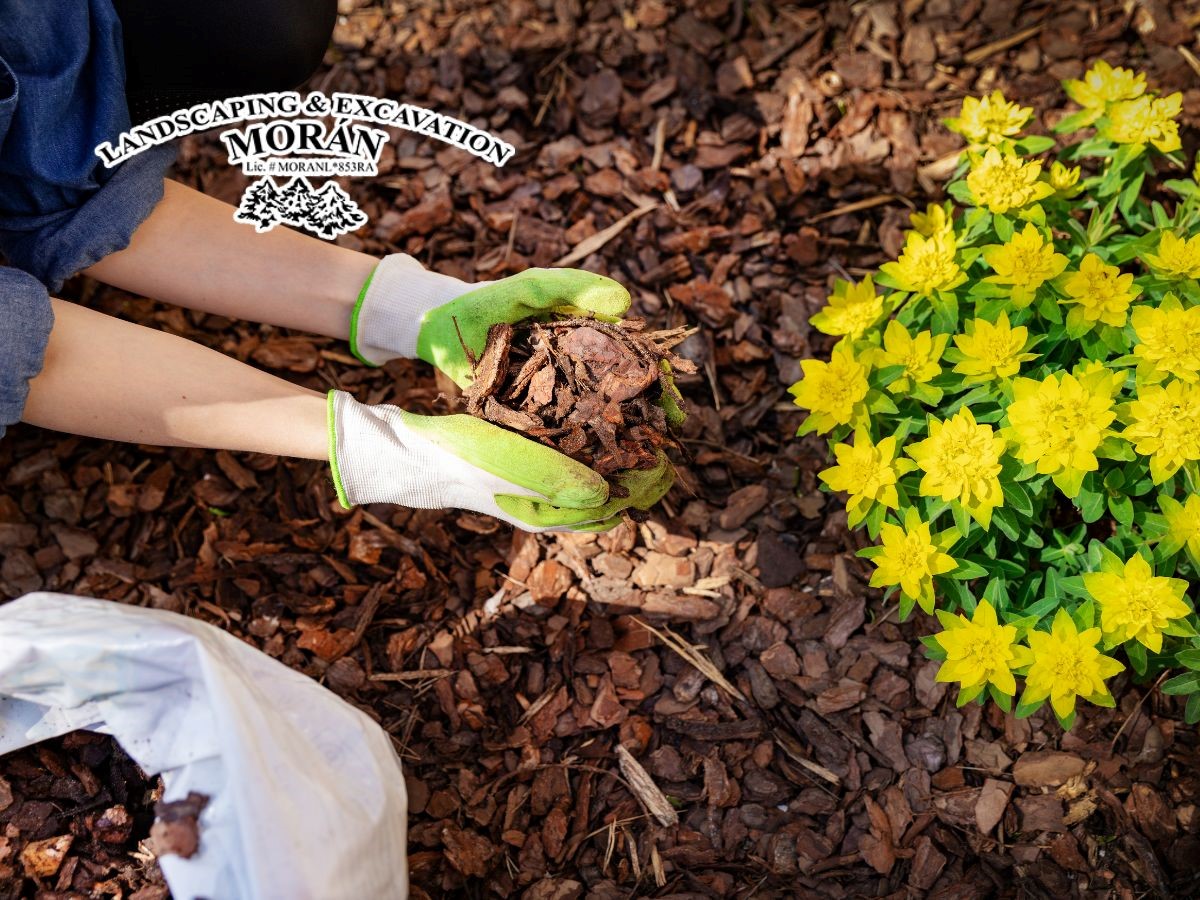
pixel 297 794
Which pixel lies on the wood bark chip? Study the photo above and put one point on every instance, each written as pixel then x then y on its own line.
pixel 644 788
pixel 584 387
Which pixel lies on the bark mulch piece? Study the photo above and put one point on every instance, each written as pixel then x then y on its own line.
pixel 586 388
pixel 74 813
pixel 724 160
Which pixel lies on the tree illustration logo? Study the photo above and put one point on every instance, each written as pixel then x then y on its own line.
pixel 327 211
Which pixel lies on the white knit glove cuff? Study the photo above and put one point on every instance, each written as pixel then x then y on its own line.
pixel 377 458
pixel 389 312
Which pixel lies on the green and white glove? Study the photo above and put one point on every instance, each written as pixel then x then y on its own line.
pixel 405 311
pixel 383 454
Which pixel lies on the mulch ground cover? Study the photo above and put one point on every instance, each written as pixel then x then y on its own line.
pixel 709 703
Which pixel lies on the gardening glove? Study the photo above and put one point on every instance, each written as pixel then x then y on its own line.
pixel 383 454
pixel 406 311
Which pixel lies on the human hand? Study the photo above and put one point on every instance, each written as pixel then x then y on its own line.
pixel 383 454
pixel 407 311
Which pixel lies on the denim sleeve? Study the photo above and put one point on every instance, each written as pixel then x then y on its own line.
pixel 61 93
pixel 55 247
pixel 25 321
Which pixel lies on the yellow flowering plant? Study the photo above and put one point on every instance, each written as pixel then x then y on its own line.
pixel 1014 404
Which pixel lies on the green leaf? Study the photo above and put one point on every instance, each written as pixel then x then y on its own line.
pixel 1004 519
pixel 1035 143
pixel 962 518
pixel 1090 504
pixel 1187 683
pixel 1191 714
pixel 1121 508
pixel 1018 498
pixel 1003 700
pixel 1026 709
pixel 1137 656
pixel 1004 227
pixel 945 314
pixel 960 192
pixel 969 569
pixel 1075 121
pixel 966 695
pixel 1189 658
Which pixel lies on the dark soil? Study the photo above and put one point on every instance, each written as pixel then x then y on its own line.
pixel 770 147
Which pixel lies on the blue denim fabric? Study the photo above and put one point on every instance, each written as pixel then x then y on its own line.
pixel 62 92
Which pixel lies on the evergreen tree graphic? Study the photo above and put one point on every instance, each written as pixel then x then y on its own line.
pixel 333 212
pixel 295 202
pixel 260 205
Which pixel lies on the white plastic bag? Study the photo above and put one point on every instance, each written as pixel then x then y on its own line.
pixel 307 799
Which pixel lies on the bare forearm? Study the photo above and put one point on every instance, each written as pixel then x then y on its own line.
pixel 190 252
pixel 107 378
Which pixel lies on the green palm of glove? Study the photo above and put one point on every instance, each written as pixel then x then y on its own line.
pixel 468 318
pixel 645 487
pixel 555 491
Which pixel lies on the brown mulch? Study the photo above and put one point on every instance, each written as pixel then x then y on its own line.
pixel 590 389
pixel 74 812
pixel 782 736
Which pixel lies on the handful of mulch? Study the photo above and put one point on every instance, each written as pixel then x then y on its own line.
pixel 595 391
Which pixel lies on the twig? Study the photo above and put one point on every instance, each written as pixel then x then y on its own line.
pixel 692 656
pixel 467 350
pixel 644 788
pixel 588 246
pixel 856 206
pixel 979 54
pixel 415 675
pixel 1129 718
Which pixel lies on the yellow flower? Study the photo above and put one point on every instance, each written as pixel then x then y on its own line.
pixel 1025 263
pixel 1183 523
pixel 1137 605
pixel 980 651
pixel 1100 293
pixel 1102 84
pixel 852 309
pixel 919 355
pixel 989 119
pixel 1002 181
pixel 1168 341
pixel 1058 423
pixel 1165 425
pixel 834 391
pixel 932 221
pixel 867 472
pixel 1176 258
pixel 1064 180
pixel 961 461
pixel 910 559
pixel 991 351
pixel 927 264
pixel 1145 120
pixel 1066 665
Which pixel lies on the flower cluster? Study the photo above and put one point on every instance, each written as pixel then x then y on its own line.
pixel 1013 404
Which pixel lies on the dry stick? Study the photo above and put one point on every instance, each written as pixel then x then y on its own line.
pixel 1129 718
pixel 1189 57
pixel 856 206
pixel 467 350
pixel 590 245
pixel 979 54
pixel 644 788
pixel 693 657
